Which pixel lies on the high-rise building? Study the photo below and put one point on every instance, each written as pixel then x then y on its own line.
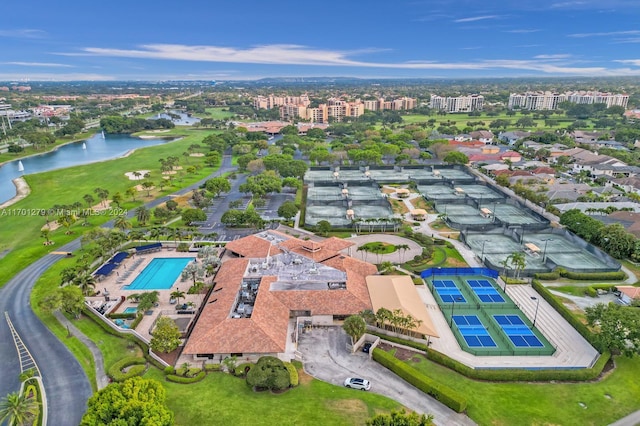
pixel 536 101
pixel 457 103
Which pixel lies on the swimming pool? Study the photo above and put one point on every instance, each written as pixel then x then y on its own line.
pixel 160 274
pixel 130 310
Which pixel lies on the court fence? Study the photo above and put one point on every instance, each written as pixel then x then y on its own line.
pixel 459 271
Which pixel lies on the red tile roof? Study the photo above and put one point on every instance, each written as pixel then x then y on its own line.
pixel 266 330
pixel 253 246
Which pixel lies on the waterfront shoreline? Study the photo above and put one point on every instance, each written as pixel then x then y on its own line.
pixel 22 191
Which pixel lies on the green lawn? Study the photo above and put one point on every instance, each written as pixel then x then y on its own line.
pixel 217 113
pixel 221 399
pixel 21 233
pixel 513 404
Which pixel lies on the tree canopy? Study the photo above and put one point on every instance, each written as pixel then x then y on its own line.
pixel 618 327
pixel 135 401
pixel 269 373
pixel 166 335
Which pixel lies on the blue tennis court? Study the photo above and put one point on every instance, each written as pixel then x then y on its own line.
pixel 485 291
pixel 473 331
pixel 448 291
pixel 517 331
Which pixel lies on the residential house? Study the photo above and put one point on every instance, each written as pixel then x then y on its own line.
pixel 511 137
pixel 484 136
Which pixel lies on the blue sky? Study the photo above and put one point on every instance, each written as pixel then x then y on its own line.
pixel 235 40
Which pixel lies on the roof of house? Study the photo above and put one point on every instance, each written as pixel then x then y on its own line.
pixel 399 292
pixel 252 246
pixel 630 291
pixel 217 332
pixel 485 134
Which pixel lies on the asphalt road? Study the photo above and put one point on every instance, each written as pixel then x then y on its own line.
pixel 65 382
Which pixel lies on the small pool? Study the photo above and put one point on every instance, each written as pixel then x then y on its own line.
pixel 160 274
pixel 131 310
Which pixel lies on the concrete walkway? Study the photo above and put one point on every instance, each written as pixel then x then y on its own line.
pixel 398 256
pixel 101 377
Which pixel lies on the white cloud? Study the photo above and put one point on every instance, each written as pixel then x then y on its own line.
pixel 23 33
pixel 38 64
pixel 557 56
pixel 635 62
pixel 522 31
pixel 605 34
pixel 302 55
pixel 55 77
pixel 476 18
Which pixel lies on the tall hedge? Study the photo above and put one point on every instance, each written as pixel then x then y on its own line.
pixel 293 374
pixel 439 391
pixel 568 315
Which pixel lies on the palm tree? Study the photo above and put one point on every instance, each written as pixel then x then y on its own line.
pixel 143 215
pixel 403 248
pixel 178 294
pixel 386 267
pixel 88 198
pixel 45 234
pixel 131 192
pixel 18 410
pixel 86 282
pixel 122 223
pixel 518 262
pixel 148 186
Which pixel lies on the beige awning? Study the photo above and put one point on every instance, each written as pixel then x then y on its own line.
pixel 418 212
pixel 532 247
pixel 399 292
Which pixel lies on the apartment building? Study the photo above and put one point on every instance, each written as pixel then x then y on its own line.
pixel 298 107
pixel 457 103
pixel 271 101
pixel 538 101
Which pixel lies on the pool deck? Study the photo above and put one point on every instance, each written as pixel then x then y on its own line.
pixel 115 289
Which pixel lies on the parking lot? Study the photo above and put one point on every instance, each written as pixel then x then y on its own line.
pixel 325 357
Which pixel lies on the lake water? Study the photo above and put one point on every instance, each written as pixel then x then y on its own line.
pixel 184 120
pixel 97 149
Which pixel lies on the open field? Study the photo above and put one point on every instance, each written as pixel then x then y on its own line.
pixel 217 113
pixel 20 233
pixel 221 399
pixel 604 401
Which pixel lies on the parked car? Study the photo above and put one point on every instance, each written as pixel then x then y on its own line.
pixel 355 383
pixel 366 347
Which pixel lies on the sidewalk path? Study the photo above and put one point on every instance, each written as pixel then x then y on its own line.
pixel 101 377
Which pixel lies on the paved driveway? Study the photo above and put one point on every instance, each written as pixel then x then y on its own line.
pixel 325 357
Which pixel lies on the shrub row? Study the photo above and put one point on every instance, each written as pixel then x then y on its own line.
pixel 521 375
pixel 416 345
pixel 568 315
pixel 187 372
pixel 293 374
pixel 547 276
pixel 595 276
pixel 139 367
pixel 212 367
pixel 185 380
pixel 507 375
pixel 122 316
pixel 136 321
pixel 442 393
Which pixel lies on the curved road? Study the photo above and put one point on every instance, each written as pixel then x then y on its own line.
pixel 66 385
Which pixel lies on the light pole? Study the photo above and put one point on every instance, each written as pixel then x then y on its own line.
pixel 482 254
pixel 544 252
pixel 453 305
pixel 535 316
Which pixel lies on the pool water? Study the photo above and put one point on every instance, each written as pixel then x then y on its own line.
pixel 160 274
pixel 131 310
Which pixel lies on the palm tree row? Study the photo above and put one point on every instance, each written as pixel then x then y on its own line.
pixel 382 223
pixel 396 320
